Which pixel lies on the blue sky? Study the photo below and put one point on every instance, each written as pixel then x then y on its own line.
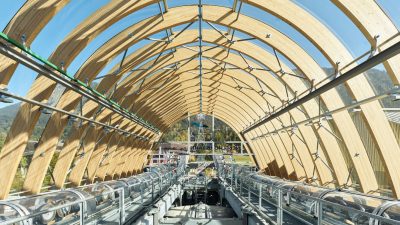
pixel 77 10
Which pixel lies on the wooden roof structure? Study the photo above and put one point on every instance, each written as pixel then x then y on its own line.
pixel 241 83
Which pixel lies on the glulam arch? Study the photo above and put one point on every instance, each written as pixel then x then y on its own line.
pixel 268 148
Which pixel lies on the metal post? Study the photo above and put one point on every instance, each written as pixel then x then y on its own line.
pixel 240 192
pixel 188 135
pixel 213 127
pixel 81 216
pixel 236 179
pixel 279 216
pixel 360 68
pixel 152 189
pixel 141 192
pixel 320 212
pixel 260 195
pixel 232 177
pixel 121 206
pixel 159 154
pixel 205 192
pixel 201 55
pixel 248 192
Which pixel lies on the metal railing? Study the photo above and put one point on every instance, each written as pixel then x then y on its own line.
pixel 261 197
pixel 119 207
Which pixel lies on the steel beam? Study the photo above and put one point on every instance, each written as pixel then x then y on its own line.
pixel 43 105
pixel 361 68
pixel 52 72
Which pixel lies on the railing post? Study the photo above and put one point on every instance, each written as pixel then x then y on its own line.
pixel 81 217
pixel 232 177
pixel 320 212
pixel 249 192
pixel 152 189
pixel 260 195
pixel 240 190
pixel 279 216
pixel 141 192
pixel 121 206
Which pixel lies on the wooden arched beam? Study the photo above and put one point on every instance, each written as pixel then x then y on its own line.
pixel 188 53
pixel 357 138
pixel 42 88
pixel 184 94
pixel 376 26
pixel 23 28
pixel 372 21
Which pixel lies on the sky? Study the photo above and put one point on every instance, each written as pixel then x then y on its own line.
pixel 77 10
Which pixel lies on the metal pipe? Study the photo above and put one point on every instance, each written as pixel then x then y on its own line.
pixel 51 71
pixel 361 68
pixel 201 55
pixel 328 114
pixel 30 101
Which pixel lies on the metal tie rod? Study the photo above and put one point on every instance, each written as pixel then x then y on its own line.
pixel 43 105
pixel 65 81
pixel 361 68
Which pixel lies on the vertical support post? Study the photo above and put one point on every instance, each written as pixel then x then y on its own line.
pixel 241 147
pixel 213 148
pixel 141 192
pixel 201 55
pixel 248 191
pixel 81 216
pixel 159 154
pixel 260 195
pixel 195 192
pixel 236 183
pixel 121 206
pixel 213 127
pixel 240 192
pixel 188 135
pixel 232 177
pixel 320 212
pixel 205 192
pixel 279 217
pixel 152 189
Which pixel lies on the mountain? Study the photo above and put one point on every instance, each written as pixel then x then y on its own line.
pixel 7 115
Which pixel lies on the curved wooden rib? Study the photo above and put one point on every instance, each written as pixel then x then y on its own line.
pixel 23 26
pixel 334 51
pixel 270 149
